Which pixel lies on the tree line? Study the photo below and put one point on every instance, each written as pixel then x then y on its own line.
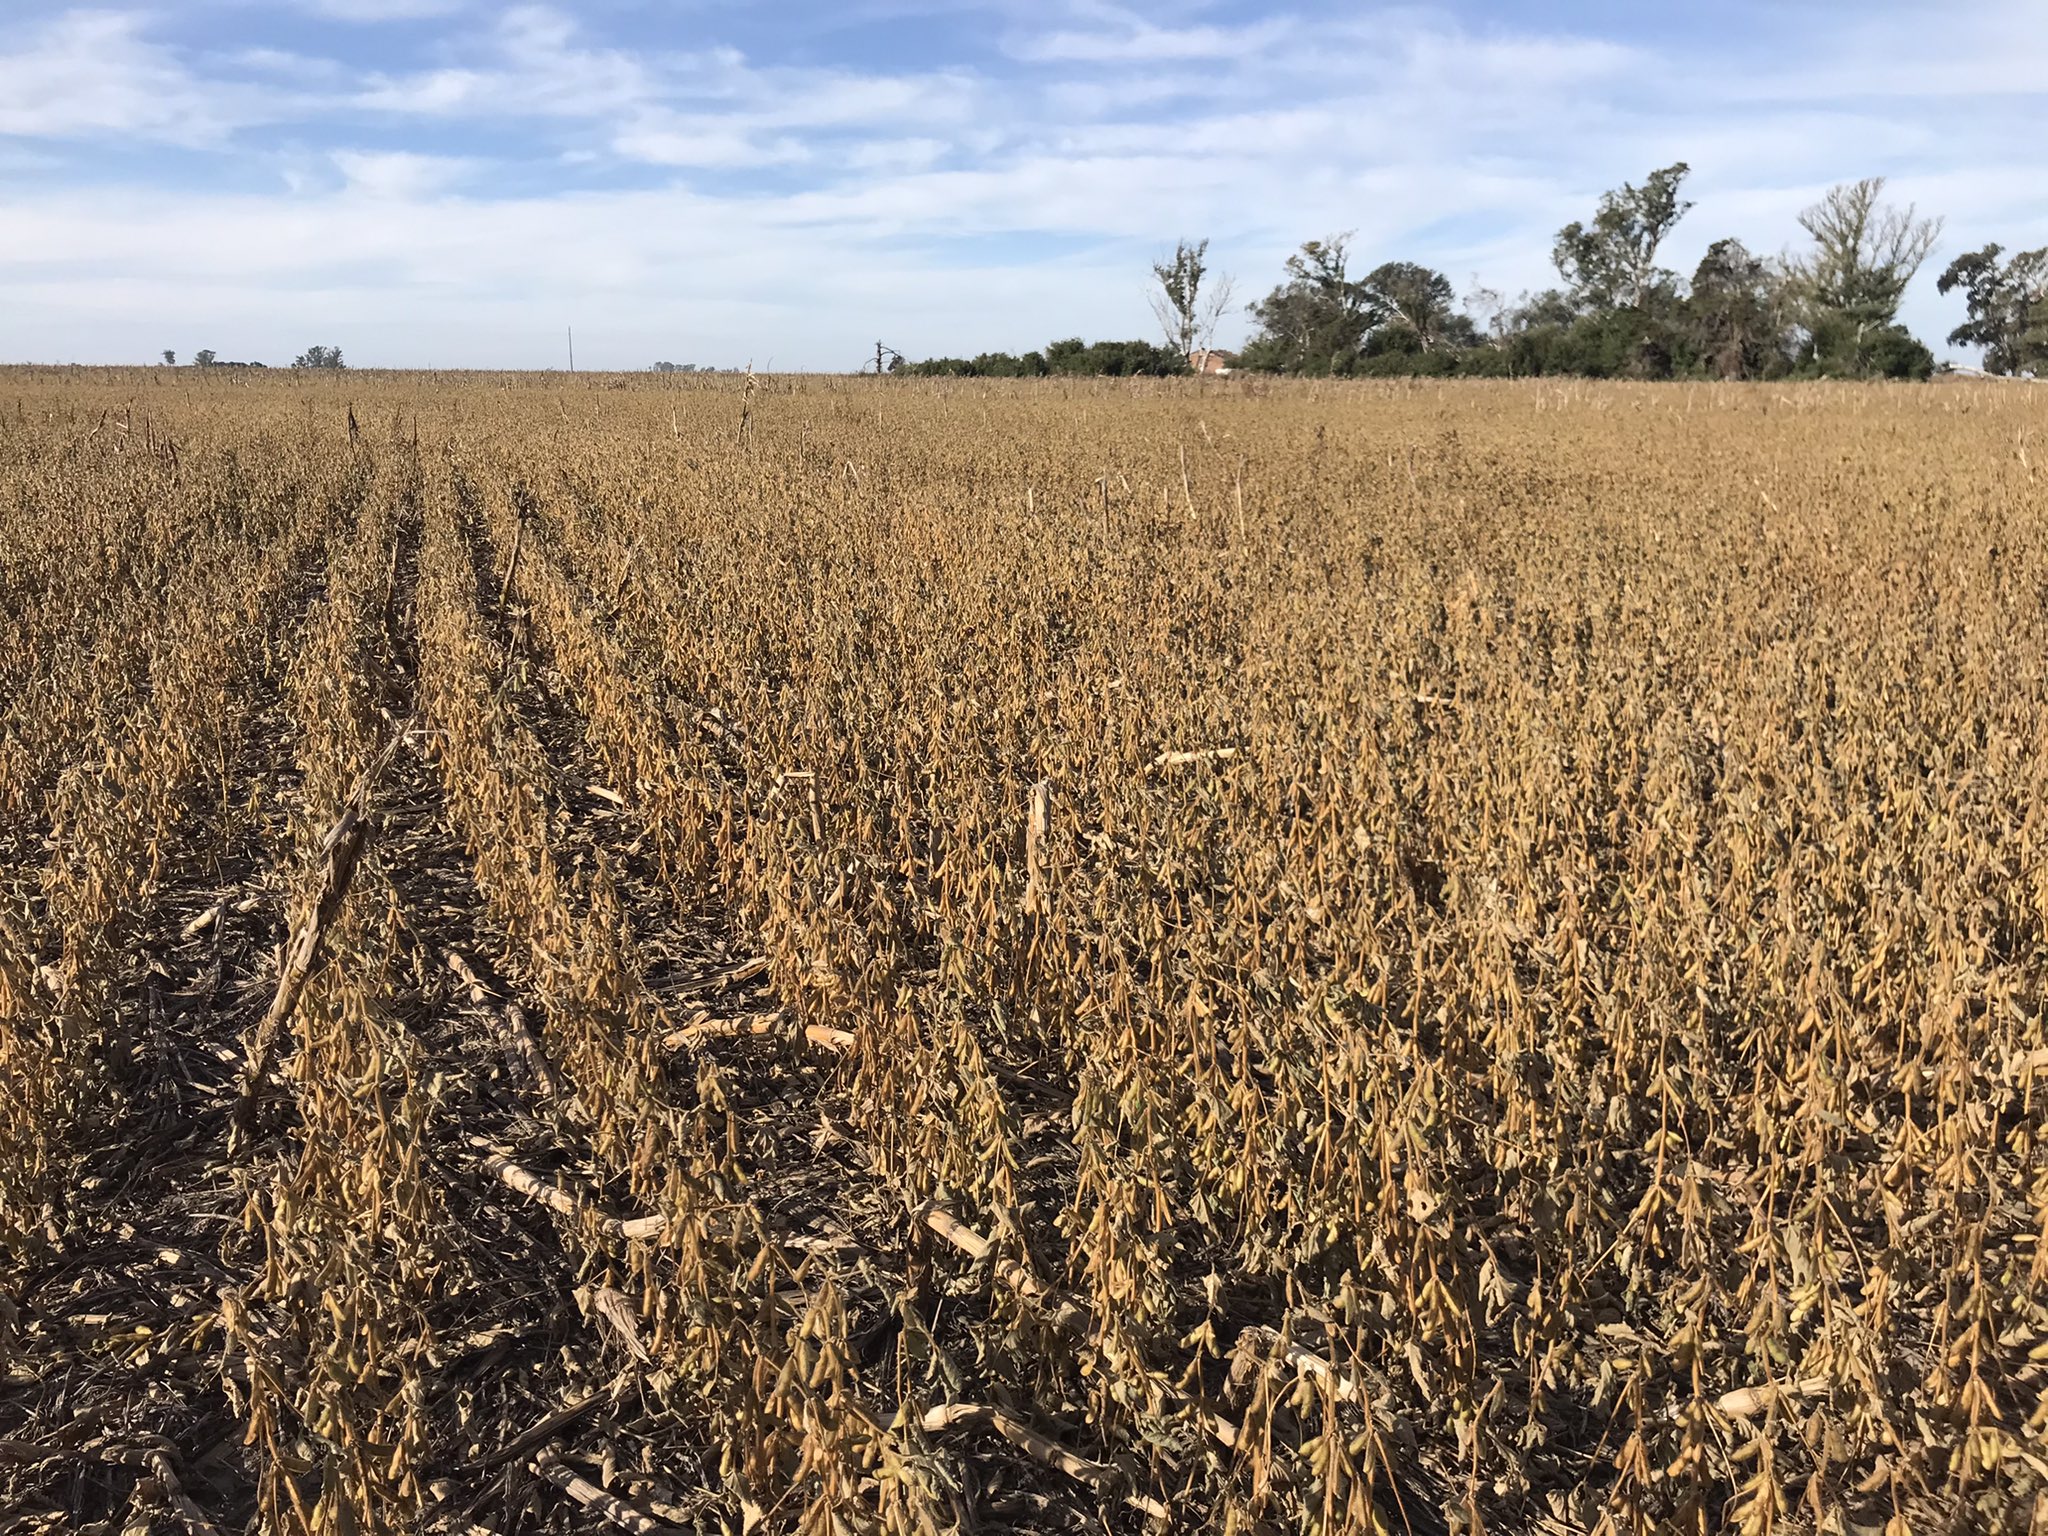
pixel 312 357
pixel 1826 310
pixel 1071 356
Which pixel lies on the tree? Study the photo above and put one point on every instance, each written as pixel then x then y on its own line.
pixel 1547 333
pixel 204 358
pixel 1416 298
pixel 1612 263
pixel 1893 352
pixel 1186 310
pixel 1736 316
pixel 170 358
pixel 1071 356
pixel 1316 321
pixel 1489 310
pixel 2008 307
pixel 1535 311
pixel 319 357
pixel 1864 254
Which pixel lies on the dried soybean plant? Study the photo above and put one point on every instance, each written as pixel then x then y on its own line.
pixel 1393 958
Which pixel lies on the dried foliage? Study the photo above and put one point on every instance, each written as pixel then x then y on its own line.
pixel 896 956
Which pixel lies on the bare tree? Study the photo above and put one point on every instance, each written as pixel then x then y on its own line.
pixel 1488 308
pixel 1190 300
pixel 1864 254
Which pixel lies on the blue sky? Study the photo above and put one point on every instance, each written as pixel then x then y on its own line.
pixel 455 183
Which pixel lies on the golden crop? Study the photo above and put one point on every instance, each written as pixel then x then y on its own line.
pixel 897 956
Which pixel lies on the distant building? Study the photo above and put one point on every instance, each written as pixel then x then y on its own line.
pixel 1211 360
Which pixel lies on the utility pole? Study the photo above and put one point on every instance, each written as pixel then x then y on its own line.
pixel 572 349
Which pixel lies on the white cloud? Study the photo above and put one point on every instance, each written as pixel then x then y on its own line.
pixel 534 65
pixel 436 92
pixel 896 156
pixel 941 189
pixel 1911 52
pixel 741 117
pixel 1128 40
pixel 702 143
pixel 842 99
pixel 368 12
pixel 709 108
pixel 400 175
pixel 287 76
pixel 94 74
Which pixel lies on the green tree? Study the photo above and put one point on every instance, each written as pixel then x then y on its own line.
pixel 1849 285
pixel 1316 321
pixel 1893 352
pixel 1736 314
pixel 319 357
pixel 1612 262
pixel 1071 356
pixel 170 358
pixel 2008 307
pixel 204 358
pixel 1534 311
pixel 1416 299
pixel 1068 355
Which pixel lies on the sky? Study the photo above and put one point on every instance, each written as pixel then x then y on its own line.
pixel 457 184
